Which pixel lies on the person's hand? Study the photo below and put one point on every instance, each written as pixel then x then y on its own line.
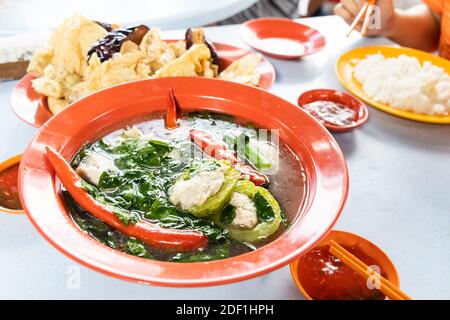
pixel 349 9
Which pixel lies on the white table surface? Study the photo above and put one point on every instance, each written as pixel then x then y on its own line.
pixel 399 199
pixel 18 16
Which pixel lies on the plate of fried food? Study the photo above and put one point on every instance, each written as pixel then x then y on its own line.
pixel 84 56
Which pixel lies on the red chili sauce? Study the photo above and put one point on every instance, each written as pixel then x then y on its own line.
pixel 329 112
pixel 9 194
pixel 325 277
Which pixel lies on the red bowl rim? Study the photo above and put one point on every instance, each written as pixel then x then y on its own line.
pixel 363 111
pixel 246 28
pixel 330 188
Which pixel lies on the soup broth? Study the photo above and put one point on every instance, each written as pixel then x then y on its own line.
pixel 144 181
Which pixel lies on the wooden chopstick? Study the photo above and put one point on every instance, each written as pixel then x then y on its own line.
pixel 386 287
pixel 363 12
pixel 358 17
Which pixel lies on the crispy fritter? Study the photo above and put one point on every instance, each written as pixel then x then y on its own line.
pixel 193 63
pixel 243 70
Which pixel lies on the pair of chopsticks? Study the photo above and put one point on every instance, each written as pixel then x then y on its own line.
pixel 365 11
pixel 386 287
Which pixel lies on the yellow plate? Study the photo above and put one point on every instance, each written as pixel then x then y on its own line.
pixel 344 71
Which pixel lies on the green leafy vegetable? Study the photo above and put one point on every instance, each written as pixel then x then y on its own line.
pixel 219 252
pixel 263 208
pixel 203 165
pixel 136 248
pixel 228 214
pixel 126 217
pixel 80 156
pixel 132 153
pixel 167 216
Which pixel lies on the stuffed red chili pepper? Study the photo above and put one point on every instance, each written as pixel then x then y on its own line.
pixel 218 150
pixel 149 233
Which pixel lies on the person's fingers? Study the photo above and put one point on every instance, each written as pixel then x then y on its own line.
pixel 343 13
pixel 351 5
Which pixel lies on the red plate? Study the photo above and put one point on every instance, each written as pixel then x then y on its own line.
pixel 32 107
pixel 117 106
pixel 282 38
pixel 361 116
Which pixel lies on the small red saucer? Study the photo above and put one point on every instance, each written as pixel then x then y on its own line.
pixel 362 114
pixel 282 38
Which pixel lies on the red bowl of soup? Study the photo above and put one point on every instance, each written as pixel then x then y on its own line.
pixel 336 110
pixel 311 184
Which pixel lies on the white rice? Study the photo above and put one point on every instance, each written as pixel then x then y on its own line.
pixel 403 83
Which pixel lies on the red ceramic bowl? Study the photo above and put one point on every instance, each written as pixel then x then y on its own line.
pixel 96 115
pixel 350 239
pixel 282 38
pixel 3 166
pixel 362 114
pixel 32 107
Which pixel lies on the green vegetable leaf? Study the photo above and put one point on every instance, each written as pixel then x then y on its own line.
pixel 263 208
pixel 202 165
pixel 166 216
pixel 228 214
pixel 80 156
pixel 126 217
pixel 219 252
pixel 160 146
pixel 136 248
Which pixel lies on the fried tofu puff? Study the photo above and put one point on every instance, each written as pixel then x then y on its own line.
pixel 159 52
pixel 62 65
pixel 243 70
pixel 197 36
pixel 195 62
pixel 128 65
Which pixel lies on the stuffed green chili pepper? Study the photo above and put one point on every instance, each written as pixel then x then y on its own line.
pixel 205 188
pixel 252 214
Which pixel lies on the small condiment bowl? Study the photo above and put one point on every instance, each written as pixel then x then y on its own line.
pixel 5 165
pixel 281 38
pixel 362 113
pixel 350 239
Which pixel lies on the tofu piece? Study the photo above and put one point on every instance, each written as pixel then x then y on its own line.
pixel 189 64
pixel 246 217
pixel 132 132
pixel 195 191
pixel 91 168
pixel 243 70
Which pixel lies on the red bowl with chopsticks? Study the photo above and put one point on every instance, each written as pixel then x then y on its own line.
pixel 347 100
pixel 121 105
pixel 349 239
